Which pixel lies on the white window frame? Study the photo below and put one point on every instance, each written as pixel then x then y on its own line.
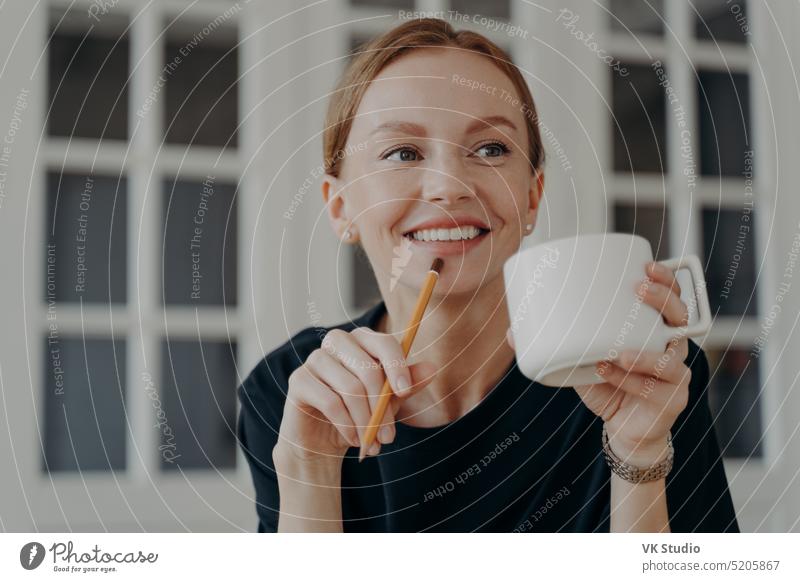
pixel 275 76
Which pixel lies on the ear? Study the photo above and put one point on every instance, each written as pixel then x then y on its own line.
pixel 535 197
pixel 337 210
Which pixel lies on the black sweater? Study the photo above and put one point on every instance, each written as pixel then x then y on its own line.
pixel 527 458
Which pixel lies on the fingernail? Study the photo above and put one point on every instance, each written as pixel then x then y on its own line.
pixel 373 450
pixel 385 434
pixel 402 384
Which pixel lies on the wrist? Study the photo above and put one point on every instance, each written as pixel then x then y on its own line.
pixel 643 453
pixel 311 468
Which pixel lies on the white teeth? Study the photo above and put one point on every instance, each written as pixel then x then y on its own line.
pixel 446 234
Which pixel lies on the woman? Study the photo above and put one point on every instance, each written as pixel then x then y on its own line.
pixel 449 163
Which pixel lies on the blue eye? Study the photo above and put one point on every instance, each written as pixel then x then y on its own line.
pixel 406 154
pixel 494 149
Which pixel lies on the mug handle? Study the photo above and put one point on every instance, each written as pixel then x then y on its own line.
pixel 703 324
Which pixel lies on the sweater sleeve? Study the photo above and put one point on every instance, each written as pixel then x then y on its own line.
pixel 698 498
pixel 257 429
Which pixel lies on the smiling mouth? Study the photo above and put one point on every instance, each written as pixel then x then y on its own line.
pixel 457 234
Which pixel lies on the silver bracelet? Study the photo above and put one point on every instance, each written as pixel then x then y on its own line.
pixel 634 474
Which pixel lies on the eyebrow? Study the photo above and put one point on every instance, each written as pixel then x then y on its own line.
pixel 410 128
pixel 491 121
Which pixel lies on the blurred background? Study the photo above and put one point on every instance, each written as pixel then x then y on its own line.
pixel 162 228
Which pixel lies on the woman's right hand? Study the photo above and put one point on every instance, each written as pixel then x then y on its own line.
pixel 332 395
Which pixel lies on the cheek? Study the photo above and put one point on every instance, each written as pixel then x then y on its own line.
pixel 508 200
pixel 388 192
pixel 390 185
pixel 378 207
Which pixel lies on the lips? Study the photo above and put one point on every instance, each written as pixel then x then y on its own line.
pixel 449 224
pixel 444 248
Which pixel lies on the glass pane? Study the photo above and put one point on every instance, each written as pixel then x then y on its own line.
pixel 201 91
pixel 735 402
pixel 84 410
pixel 724 103
pixel 86 226
pixel 728 248
pixel 494 9
pixel 722 21
pixel 639 107
pixel 365 287
pixel 199 263
pixel 198 425
pixel 647 220
pixel 637 16
pixel 398 4
pixel 87 78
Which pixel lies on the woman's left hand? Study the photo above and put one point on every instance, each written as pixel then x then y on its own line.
pixel 645 391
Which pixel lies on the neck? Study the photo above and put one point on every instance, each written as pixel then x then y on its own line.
pixel 465 336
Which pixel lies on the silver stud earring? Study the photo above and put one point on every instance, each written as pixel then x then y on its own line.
pixel 348 235
pixel 529 227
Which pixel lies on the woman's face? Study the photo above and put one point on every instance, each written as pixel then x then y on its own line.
pixel 436 166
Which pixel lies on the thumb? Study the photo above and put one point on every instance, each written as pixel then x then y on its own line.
pixel 422 374
pixel 602 399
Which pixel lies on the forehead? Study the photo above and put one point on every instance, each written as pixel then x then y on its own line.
pixel 445 87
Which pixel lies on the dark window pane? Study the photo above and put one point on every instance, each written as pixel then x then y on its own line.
pixel 735 402
pixel 365 287
pixel 201 103
pixel 639 107
pixel 86 80
pixel 398 4
pixel 728 241
pixel 86 226
pixel 721 21
pixel 647 220
pixel 84 411
pixel 199 386
pixel 494 9
pixel 724 103
pixel 637 16
pixel 199 252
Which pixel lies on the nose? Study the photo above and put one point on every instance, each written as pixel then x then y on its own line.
pixel 444 182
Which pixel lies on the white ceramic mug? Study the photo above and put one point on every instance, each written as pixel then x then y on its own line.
pixel 572 303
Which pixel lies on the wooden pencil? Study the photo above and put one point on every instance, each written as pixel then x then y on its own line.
pixel 408 339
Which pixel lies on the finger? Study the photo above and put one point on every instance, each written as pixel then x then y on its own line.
pixel 345 348
pixel 386 430
pixel 663 275
pixel 350 389
pixel 663 299
pixel 319 397
pixel 631 382
pixel 422 374
pixel 389 353
pixel 667 365
pixel 680 345
pixel 602 399
pixel 671 395
pixel 663 395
